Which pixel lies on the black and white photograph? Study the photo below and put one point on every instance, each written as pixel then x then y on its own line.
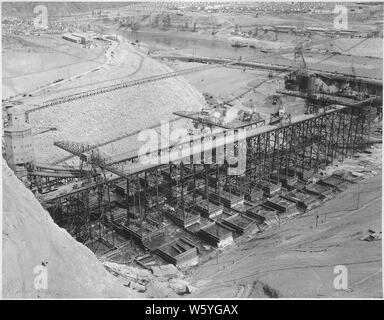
pixel 191 151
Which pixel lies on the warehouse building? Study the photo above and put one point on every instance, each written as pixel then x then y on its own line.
pixel 72 38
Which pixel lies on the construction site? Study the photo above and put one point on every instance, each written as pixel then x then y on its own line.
pixel 240 159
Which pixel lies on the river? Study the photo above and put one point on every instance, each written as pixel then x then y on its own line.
pixel 189 44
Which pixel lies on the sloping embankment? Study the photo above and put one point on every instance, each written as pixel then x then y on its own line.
pixel 30 238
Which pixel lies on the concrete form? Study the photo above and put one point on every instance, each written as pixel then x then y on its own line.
pixel 325 191
pixel 286 179
pixel 261 214
pixel 241 223
pixel 349 176
pixel 183 219
pixel 217 234
pixel 284 206
pixel 229 200
pixel 335 182
pixel 270 188
pixel 143 233
pixel 255 194
pixel 181 252
pixel 209 209
pixel 303 200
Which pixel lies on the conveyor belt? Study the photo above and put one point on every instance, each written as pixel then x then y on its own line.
pixel 54 174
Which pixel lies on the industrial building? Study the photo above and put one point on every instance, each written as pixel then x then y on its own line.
pixel 83 37
pixel 72 38
pixel 18 142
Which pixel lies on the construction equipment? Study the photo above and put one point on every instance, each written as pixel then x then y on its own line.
pixel 247 116
pixel 280 117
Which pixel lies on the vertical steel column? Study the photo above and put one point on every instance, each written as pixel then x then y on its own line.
pixel 306 124
pixel 206 184
pixel 127 202
pixel 319 126
pixel 140 213
pixel 331 144
pixel 159 214
pixel 182 190
pixel 349 138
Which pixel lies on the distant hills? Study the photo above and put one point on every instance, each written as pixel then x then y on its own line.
pixel 25 9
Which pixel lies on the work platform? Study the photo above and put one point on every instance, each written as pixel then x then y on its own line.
pixel 209 119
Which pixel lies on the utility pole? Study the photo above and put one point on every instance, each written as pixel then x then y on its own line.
pixel 358 194
pixel 317 217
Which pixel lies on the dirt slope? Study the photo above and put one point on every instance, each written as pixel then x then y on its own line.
pixel 30 238
pixel 103 117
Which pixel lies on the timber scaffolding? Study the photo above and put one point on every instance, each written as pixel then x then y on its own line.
pixel 140 199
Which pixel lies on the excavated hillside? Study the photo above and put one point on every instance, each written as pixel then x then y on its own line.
pixel 31 238
pixel 104 117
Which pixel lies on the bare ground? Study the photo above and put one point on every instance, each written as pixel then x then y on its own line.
pixel 298 259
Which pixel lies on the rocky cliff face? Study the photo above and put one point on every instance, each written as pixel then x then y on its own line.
pixel 32 242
